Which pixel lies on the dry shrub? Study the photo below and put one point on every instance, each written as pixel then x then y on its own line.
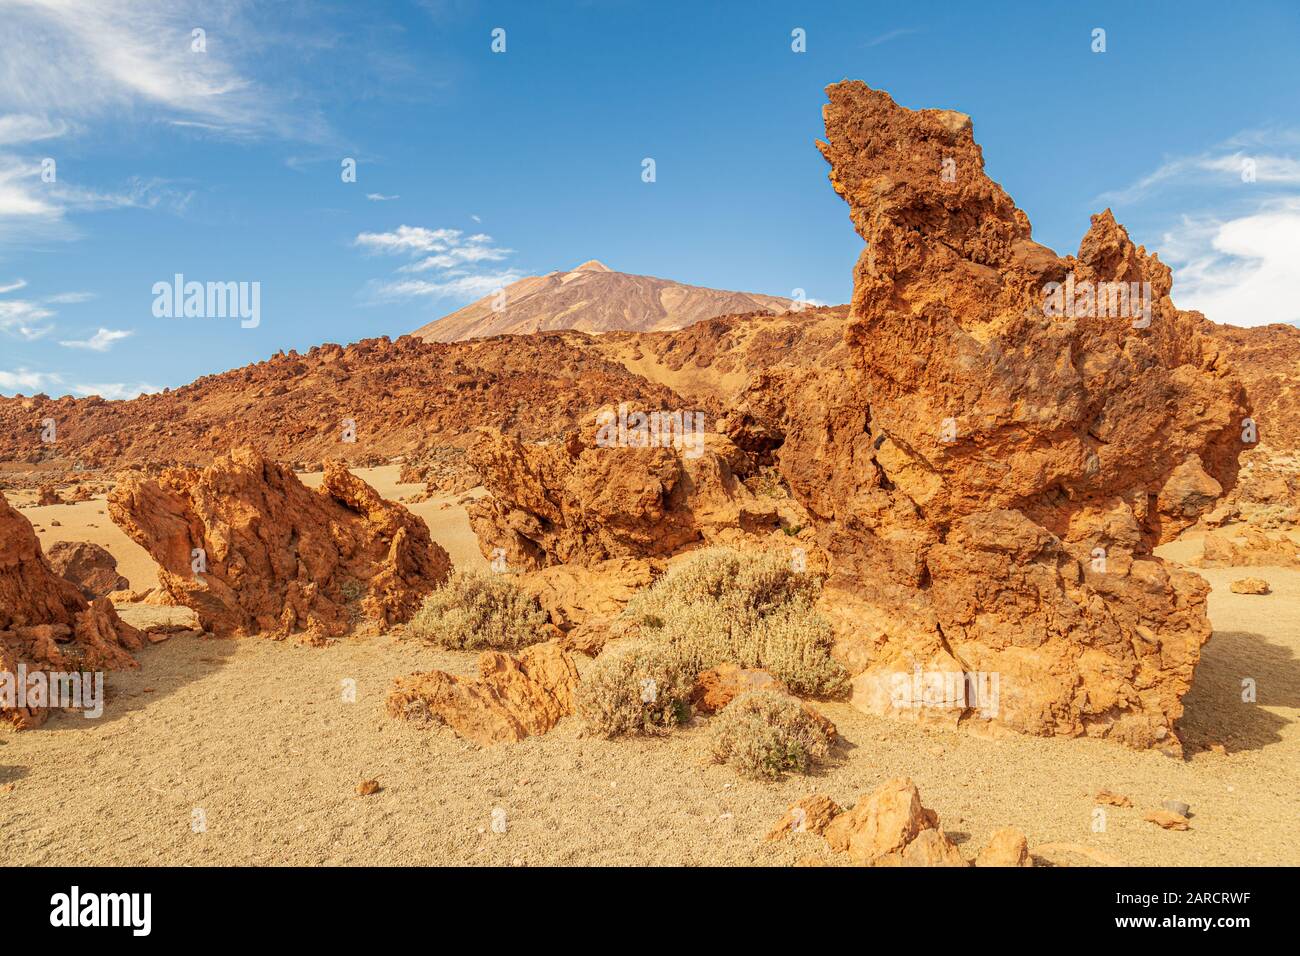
pixel 475 610
pixel 764 734
pixel 635 688
pixel 754 610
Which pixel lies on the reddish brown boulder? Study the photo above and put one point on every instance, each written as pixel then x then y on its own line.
pixel 511 698
pixel 45 623
pixel 989 476
pixel 89 566
pixel 252 549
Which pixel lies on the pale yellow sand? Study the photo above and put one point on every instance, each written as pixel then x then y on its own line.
pixel 256 734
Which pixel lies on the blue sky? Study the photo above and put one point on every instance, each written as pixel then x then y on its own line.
pixel 224 164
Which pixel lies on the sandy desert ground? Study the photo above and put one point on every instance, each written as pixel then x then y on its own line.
pixel 257 735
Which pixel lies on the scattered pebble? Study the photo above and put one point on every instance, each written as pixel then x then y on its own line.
pixel 366 787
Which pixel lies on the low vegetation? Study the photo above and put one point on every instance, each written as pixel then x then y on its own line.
pixel 764 734
pixel 478 610
pixel 754 610
pixel 636 688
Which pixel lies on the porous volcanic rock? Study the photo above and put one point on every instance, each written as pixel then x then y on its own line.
pixel 990 477
pixel 89 566
pixel 577 502
pixel 890 827
pixel 1006 847
pixel 45 623
pixel 810 814
pixel 279 557
pixel 1251 548
pixel 512 697
pixel 1249 586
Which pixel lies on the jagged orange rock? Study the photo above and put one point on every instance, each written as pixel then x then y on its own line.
pixel 1006 847
pixel 890 827
pixel 512 697
pixel 45 622
pixel 251 549
pixel 1252 548
pixel 576 502
pixel 810 814
pixel 990 477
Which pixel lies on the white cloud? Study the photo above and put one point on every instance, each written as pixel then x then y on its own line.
pixel 408 239
pixel 1240 271
pixel 380 197
pixel 101 341
pixel 457 287
pixel 25 381
pixel 116 391
pixel 449 253
pixel 13 286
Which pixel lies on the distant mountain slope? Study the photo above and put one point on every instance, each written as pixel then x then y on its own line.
pixel 594 298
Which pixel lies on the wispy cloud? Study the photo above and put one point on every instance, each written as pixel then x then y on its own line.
pixel 101 341
pixel 19 128
pixel 29 319
pixel 891 35
pixel 380 197
pixel 1250 157
pixel 24 319
pixel 451 255
pixel 115 391
pixel 83 58
pixel 453 287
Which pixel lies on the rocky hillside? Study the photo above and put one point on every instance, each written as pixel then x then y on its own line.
pixel 394 398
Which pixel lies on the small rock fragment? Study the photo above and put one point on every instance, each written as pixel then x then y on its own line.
pixel 1250 586
pixel 1167 819
pixel 1113 799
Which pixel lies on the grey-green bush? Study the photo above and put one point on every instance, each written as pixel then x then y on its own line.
pixel 754 610
pixel 475 610
pixel 764 734
pixel 634 688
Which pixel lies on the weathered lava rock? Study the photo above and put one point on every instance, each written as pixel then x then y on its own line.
pixel 45 623
pixel 252 549
pixel 990 477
